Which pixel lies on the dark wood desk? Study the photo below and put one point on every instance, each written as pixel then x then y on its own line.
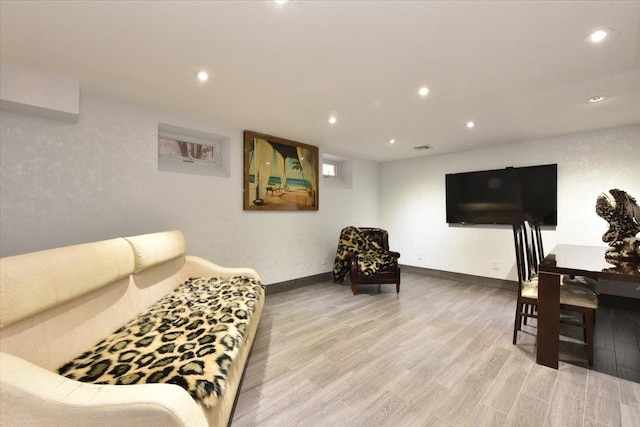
pixel 574 260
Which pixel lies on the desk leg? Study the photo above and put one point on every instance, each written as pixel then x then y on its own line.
pixel 548 319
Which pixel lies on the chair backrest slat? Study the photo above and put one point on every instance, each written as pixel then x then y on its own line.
pixel 528 247
pixel 519 250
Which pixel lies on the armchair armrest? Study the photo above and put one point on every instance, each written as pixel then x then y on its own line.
pixel 353 261
pixel 33 396
pixel 394 254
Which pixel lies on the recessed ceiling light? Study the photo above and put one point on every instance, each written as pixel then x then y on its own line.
pixel 280 2
pixel 202 76
pixel 391 141
pixel 423 91
pixel 333 119
pixel 470 124
pixel 598 36
pixel 595 99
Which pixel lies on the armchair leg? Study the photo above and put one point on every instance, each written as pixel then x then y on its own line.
pixel 354 288
pixel 397 288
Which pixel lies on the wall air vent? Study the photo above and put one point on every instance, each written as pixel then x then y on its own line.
pixel 423 147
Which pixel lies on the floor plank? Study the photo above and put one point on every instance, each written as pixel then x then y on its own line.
pixel 437 354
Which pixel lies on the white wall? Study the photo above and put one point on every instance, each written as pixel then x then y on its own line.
pixel 66 183
pixel 413 199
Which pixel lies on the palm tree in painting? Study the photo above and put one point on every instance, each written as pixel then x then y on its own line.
pixel 296 166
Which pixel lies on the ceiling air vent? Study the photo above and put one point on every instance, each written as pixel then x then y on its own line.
pixel 423 147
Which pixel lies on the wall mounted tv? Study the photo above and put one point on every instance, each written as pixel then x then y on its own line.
pixel 502 196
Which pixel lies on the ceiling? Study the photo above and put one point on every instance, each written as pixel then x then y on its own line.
pixel 521 70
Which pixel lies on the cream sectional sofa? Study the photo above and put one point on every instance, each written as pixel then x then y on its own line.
pixel 56 304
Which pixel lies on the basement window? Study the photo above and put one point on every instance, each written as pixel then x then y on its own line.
pixel 190 151
pixel 329 169
pixel 337 171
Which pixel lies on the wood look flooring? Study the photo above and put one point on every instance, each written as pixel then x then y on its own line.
pixel 439 354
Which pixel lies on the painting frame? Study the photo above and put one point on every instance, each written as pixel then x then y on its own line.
pixel 279 174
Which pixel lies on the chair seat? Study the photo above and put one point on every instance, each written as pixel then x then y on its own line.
pixel 580 281
pixel 530 289
pixel 385 276
pixel 578 296
pixel 569 294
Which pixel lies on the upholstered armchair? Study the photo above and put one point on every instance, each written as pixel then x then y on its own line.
pixel 389 273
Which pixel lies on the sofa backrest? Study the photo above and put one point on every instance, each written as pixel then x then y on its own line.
pixel 38 281
pixel 159 262
pixel 54 304
pixel 153 249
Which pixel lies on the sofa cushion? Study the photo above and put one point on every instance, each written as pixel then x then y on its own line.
pixel 35 282
pixel 189 338
pixel 155 248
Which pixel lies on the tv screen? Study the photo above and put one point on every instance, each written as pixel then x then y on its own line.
pixel 503 196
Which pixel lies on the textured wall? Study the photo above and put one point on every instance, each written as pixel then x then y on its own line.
pixel 63 183
pixel 413 199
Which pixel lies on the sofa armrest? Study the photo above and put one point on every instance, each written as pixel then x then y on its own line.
pixel 33 396
pixel 200 267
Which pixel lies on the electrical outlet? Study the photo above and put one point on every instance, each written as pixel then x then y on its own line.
pixel 324 260
pixel 420 255
pixel 496 265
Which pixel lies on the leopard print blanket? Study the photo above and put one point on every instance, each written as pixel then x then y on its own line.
pixel 370 255
pixel 189 338
pixel 622 213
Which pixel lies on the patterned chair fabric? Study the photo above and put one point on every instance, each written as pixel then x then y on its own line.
pixel 364 254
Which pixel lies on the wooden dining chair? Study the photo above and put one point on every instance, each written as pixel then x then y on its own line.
pixel 577 299
pixel 575 281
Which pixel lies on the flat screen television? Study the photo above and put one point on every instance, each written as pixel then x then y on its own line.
pixel 503 196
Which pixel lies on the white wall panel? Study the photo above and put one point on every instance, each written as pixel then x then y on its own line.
pixel 413 199
pixel 63 183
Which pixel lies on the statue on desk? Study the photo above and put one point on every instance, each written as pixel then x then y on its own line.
pixel 622 213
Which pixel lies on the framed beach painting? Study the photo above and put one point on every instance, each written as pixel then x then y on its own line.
pixel 279 175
